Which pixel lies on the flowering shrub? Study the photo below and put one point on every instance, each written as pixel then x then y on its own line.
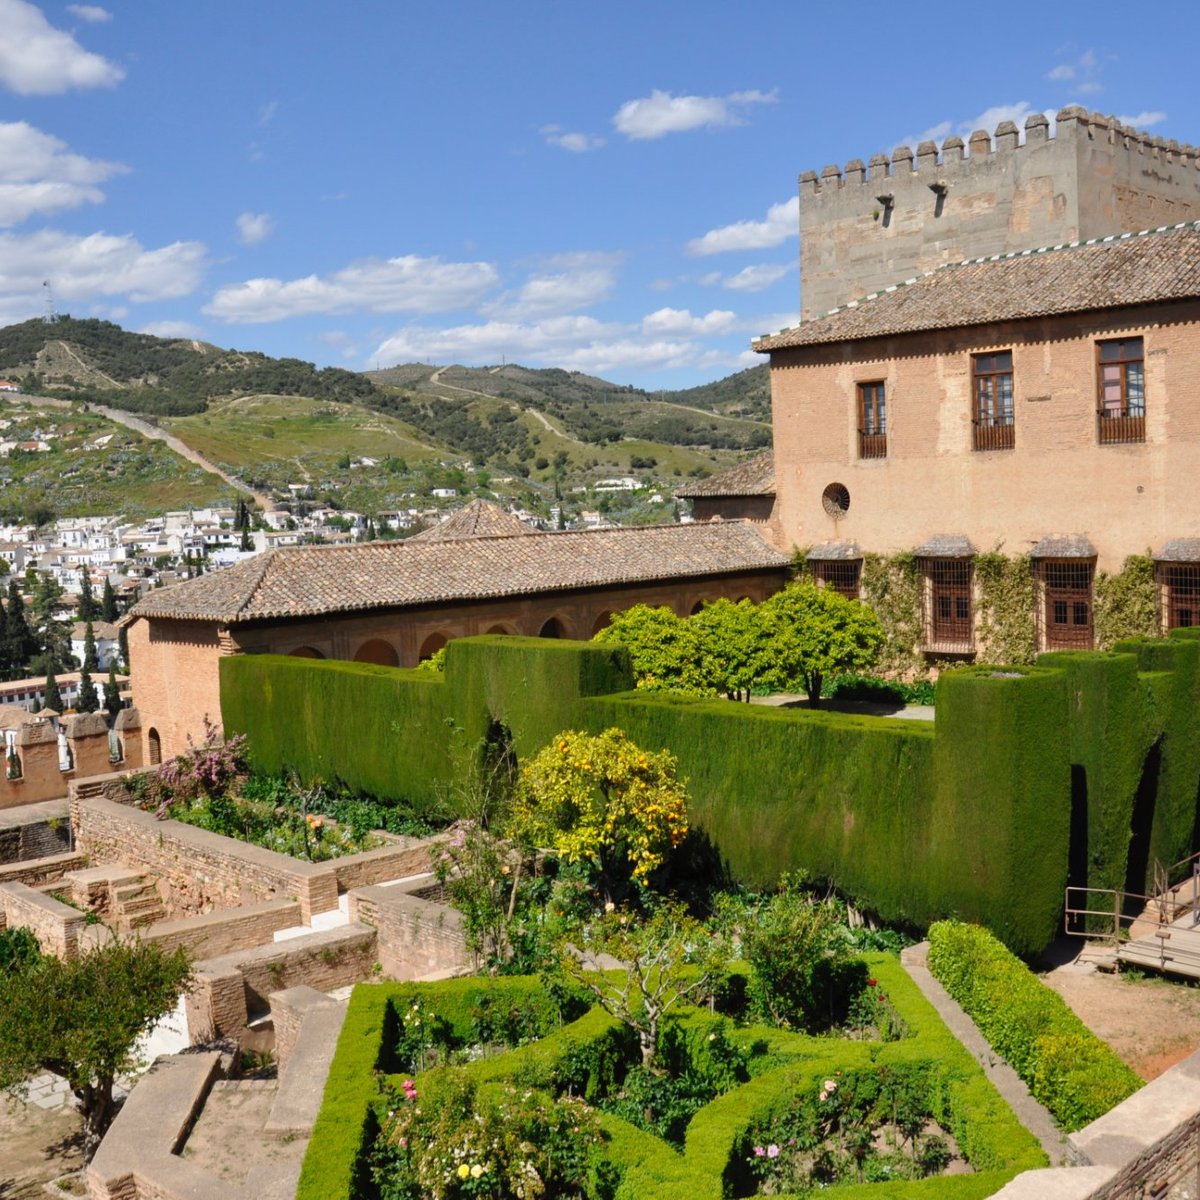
pixel 212 768
pixel 454 1139
pixel 872 1014
pixel 860 1127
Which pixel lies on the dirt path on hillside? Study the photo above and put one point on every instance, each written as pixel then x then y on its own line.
pixel 1152 1024
pixel 436 378
pixel 146 429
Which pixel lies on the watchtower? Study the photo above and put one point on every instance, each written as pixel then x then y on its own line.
pixel 865 227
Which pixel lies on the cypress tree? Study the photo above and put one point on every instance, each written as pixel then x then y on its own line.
pixel 88 701
pixel 246 543
pixel 52 698
pixel 87 610
pixel 90 661
pixel 19 643
pixel 123 644
pixel 108 603
pixel 112 693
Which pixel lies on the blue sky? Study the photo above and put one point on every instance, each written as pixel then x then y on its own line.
pixel 602 187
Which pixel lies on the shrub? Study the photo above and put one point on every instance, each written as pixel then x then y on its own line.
pixel 1066 1067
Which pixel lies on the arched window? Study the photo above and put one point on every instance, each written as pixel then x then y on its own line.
pixel 154 745
pixel 377 651
pixel 431 645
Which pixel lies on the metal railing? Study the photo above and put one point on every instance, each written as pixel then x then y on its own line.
pixel 1111 921
pixel 1117 430
pixel 990 435
pixel 872 445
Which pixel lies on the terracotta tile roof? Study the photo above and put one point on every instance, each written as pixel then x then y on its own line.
pixel 753 478
pixel 1111 272
pixel 480 518
pixel 304 581
pixel 1064 545
pixel 1180 550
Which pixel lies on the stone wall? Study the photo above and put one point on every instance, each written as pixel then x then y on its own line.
pixel 235 988
pixel 50 869
pixel 56 926
pixel 289 1010
pixel 42 777
pixel 403 857
pixel 223 932
pixel 865 227
pixel 417 937
pixel 34 831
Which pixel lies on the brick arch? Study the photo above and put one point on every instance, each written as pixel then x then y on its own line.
pixel 553 627
pixel 432 644
pixel 305 652
pixel 601 622
pixel 377 651
pixel 502 627
pixel 153 747
pixel 698 606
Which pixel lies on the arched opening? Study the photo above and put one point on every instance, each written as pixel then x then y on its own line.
pixel 306 652
pixel 154 747
pixel 552 629
pixel 431 645
pixel 741 598
pixel 601 622
pixel 698 606
pixel 501 629
pixel 377 651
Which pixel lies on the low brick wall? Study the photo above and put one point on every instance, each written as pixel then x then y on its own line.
pixel 34 830
pixel 417 937
pixel 226 931
pixel 203 871
pixel 56 926
pixel 41 870
pixel 231 990
pixel 398 860
pixel 289 1010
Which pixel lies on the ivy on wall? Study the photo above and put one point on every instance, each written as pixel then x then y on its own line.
pixel 1126 604
pixel 892 587
pixel 1006 599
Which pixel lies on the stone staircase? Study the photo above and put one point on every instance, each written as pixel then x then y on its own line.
pixel 136 903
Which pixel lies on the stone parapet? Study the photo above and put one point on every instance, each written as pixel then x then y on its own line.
pixel 224 932
pixel 56 926
pixel 416 936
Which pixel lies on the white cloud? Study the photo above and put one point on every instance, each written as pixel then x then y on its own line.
pixel 1144 120
pixel 680 322
pixel 85 268
pixel 577 143
pixel 782 222
pixel 986 120
pixel 38 174
pixel 756 277
pixel 1061 73
pixel 93 14
pixel 38 60
pixel 1082 73
pixel 660 113
pixel 173 329
pixel 401 284
pixel 266 114
pixel 564 283
pixel 253 228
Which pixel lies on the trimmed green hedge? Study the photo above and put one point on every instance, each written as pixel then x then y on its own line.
pixel 379 730
pixel 592 1052
pixel 1065 1066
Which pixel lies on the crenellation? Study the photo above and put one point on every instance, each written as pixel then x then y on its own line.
pixel 1037 128
pixel 980 143
pixel 855 171
pixel 953 149
pixel 902 160
pixel 927 155
pixel 880 167
pixel 1008 136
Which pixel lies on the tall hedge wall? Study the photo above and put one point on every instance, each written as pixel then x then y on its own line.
pixel 379 729
pixel 1001 816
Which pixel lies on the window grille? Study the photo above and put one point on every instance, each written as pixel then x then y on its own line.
pixel 1121 379
pixel 993 415
pixel 842 575
pixel 949 613
pixel 1066 607
pixel 872 421
pixel 1179 592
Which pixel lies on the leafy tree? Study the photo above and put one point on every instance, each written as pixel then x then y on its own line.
pixel 87 610
pixel 667 958
pixel 81 1018
pixel 815 632
pixel 19 644
pixel 18 951
pixel 52 632
pixel 112 694
pixel 735 646
pixel 664 650
pixel 602 800
pixel 108 603
pixel 51 697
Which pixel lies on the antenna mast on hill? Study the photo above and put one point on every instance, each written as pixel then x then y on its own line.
pixel 50 317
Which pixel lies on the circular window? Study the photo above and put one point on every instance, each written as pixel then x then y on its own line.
pixel 835 499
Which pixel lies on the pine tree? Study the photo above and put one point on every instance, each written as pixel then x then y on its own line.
pixel 108 603
pixel 51 697
pixel 88 701
pixel 112 693
pixel 87 610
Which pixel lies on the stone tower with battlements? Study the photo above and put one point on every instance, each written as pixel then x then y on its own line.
pixel 866 227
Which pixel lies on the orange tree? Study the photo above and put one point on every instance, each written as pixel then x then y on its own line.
pixel 602 800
